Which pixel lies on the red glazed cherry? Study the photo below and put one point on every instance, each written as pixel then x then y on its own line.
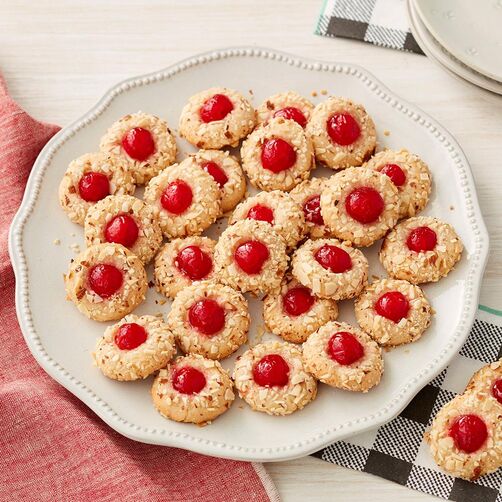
pixel 215 108
pixel 345 348
pixel 343 129
pixel 129 336
pixel 251 256
pixel 93 187
pixel 364 204
pixel 333 258
pixel 468 432
pixel 297 301
pixel 188 380
pixel 393 306
pixel 312 210
pixel 138 143
pixel 262 213
pixel 497 390
pixel 206 316
pixel 194 263
pixel 277 155
pixel 105 280
pixel 216 172
pixel 395 173
pixel 177 197
pixel 421 239
pixel 122 230
pixel 292 113
pixel 271 371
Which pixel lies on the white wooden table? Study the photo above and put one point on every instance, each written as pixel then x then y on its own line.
pixel 60 57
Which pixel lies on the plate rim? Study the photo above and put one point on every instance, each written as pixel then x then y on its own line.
pixel 206 446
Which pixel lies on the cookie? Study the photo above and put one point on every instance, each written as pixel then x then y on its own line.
pixel 277 155
pixel 192 389
pixel 209 319
pixel 487 382
pixel 187 199
pixel 126 220
pixel 181 262
pixel 142 142
pixel 360 205
pixel 106 282
pixel 271 378
pixel 134 348
pixel 421 249
pixel 289 105
pixel 89 179
pixel 344 357
pixel 250 256
pixel 216 117
pixel 331 269
pixel 393 312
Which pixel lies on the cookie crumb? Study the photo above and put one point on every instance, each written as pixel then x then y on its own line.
pixel 251 92
pixel 452 208
pixel 56 242
pixel 75 248
pixel 375 277
pixel 73 234
pixel 386 132
pixel 313 94
pixel 151 284
pixel 324 92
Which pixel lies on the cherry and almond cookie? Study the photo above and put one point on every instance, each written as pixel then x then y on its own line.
pixel 393 312
pixel 192 389
pixel 187 199
pixel 289 105
pixel 276 208
pixel 106 282
pixel 89 179
pixel 134 348
pixel 360 205
pixel 293 312
pixel 277 155
pixel 251 256
pixel 271 377
pixel 330 268
pixel 342 132
pixel 487 382
pixel 344 357
pixel 209 319
pixel 216 118
pixel 126 220
pixel 421 249
pixel 181 262
pixel 228 174
pixel 142 142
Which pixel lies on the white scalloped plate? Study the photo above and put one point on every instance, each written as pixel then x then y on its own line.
pixel 61 339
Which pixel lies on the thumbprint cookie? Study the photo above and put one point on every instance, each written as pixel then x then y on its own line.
pixel 288 105
pixel 487 382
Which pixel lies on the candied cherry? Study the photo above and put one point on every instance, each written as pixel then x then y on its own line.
pixel 271 371
pixel 497 390
pixel 188 380
pixel 343 129
pixel 217 107
pixel 261 213
pixel 312 210
pixel 469 433
pixel 206 316
pixel 122 229
pixel 250 256
pixel 93 187
pixel 194 263
pixel 345 348
pixel 177 197
pixel 421 239
pixel 138 143
pixel 130 336
pixel 298 300
pixel 292 113
pixel 393 306
pixel 277 155
pixel 333 258
pixel 216 172
pixel 105 280
pixel 395 173
pixel 364 204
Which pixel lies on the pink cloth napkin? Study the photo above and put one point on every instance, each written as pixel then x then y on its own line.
pixel 52 447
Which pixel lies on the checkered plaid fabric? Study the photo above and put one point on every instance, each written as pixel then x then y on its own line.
pixel 397 452
pixel 379 22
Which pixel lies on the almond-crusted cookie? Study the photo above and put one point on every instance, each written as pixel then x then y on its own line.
pixel 289 105
pixel 487 382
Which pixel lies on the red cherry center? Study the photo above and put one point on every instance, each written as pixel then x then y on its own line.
pixel 292 113
pixel 469 433
pixel 277 155
pixel 215 108
pixel 261 213
pixel 130 335
pixel 250 256
pixel 105 280
pixel 395 173
pixel 393 306
pixel 271 371
pixel 345 348
pixel 421 239
pixel 216 172
pixel 343 129
pixel 497 390
pixel 364 204
pixel 188 380
pixel 194 263
pixel 93 187
pixel 177 197
pixel 333 258
pixel 122 229
pixel 138 143
pixel 206 316
pixel 297 301
pixel 312 210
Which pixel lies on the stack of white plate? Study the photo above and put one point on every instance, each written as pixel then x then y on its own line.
pixel 463 36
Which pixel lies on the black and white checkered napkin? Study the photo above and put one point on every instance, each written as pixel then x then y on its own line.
pixel 379 22
pixel 397 452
